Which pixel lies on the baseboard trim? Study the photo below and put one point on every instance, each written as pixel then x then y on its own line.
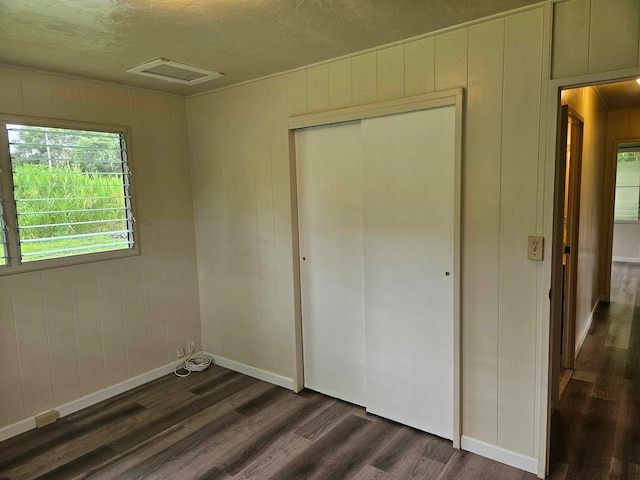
pixel 254 372
pixel 626 259
pixel 83 402
pixel 499 454
pixel 585 331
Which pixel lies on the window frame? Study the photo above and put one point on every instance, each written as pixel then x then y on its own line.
pixel 8 204
pixel 630 146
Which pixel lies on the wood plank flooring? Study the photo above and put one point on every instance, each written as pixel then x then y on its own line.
pixel 596 431
pixel 220 424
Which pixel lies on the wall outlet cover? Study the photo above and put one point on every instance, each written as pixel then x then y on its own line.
pixel 180 352
pixel 46 418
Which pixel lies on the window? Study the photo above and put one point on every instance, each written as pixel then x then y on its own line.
pixel 66 193
pixel 627 199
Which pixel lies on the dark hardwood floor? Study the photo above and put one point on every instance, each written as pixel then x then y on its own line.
pixel 220 424
pixel 596 431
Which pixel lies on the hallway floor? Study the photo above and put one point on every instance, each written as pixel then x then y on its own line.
pixel 598 423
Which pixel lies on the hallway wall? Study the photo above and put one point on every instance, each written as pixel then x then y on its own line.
pixel 588 104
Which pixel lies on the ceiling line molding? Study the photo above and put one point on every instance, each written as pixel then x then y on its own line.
pixel 422 36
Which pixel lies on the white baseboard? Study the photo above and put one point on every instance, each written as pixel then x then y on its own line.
pixel 499 454
pixel 252 371
pixel 585 331
pixel 83 402
pixel 625 259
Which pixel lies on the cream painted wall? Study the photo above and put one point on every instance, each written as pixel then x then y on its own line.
pixel 592 36
pixel 241 178
pixel 588 104
pixel 68 332
pixel 626 242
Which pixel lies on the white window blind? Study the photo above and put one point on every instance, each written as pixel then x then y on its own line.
pixel 627 196
pixel 71 191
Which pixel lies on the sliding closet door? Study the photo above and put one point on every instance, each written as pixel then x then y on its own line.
pixel 331 249
pixel 409 253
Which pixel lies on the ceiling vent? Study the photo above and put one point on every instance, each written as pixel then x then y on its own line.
pixel 175 72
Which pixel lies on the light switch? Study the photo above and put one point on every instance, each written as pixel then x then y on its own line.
pixel 535 248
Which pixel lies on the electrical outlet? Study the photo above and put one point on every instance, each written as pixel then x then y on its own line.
pixel 180 352
pixel 46 418
pixel 192 346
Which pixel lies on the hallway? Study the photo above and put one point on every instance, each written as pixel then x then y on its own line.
pixel 597 427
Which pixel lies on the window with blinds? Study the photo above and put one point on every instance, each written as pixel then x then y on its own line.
pixel 627 195
pixel 70 193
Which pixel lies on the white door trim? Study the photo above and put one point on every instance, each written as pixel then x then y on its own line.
pixel 452 97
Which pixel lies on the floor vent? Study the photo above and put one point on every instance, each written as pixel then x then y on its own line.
pixel 176 72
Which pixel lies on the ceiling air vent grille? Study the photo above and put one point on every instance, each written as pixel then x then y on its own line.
pixel 175 72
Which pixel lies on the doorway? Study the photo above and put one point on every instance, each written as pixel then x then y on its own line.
pixel 593 345
pixel 571 133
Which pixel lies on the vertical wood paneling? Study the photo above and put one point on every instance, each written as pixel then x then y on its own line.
pixel 86 312
pixel 71 331
pixel 518 296
pixel 265 244
pixel 451 60
pixel 364 78
pixel 117 111
pixel 66 98
pixel 93 101
pixel 63 348
pixel 36 93
pixel 419 66
pixel 185 221
pixel 242 286
pixel 318 88
pixel 10 385
pixel 571 38
pixel 481 244
pixel 31 330
pixel 134 315
pixel 165 171
pixel 613 41
pixel 340 84
pixel 10 91
pixel 297 92
pixel 634 124
pixel 390 73
pixel 150 228
pixel 112 321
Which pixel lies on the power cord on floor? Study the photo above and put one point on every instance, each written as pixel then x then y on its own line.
pixel 193 363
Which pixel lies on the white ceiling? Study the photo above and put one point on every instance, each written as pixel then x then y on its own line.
pixel 245 39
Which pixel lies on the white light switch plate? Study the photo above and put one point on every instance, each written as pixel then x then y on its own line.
pixel 535 248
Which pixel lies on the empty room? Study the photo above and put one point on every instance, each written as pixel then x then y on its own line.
pixel 319 239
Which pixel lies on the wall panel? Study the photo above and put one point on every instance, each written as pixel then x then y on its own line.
pixel 71 331
pixel 419 66
pixel 364 78
pixel 480 268
pixel 518 201
pixel 390 77
pixel 592 36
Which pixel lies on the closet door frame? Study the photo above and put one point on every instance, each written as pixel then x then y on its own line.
pixel 453 97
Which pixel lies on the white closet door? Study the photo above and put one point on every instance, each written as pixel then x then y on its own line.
pixel 331 249
pixel 409 247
